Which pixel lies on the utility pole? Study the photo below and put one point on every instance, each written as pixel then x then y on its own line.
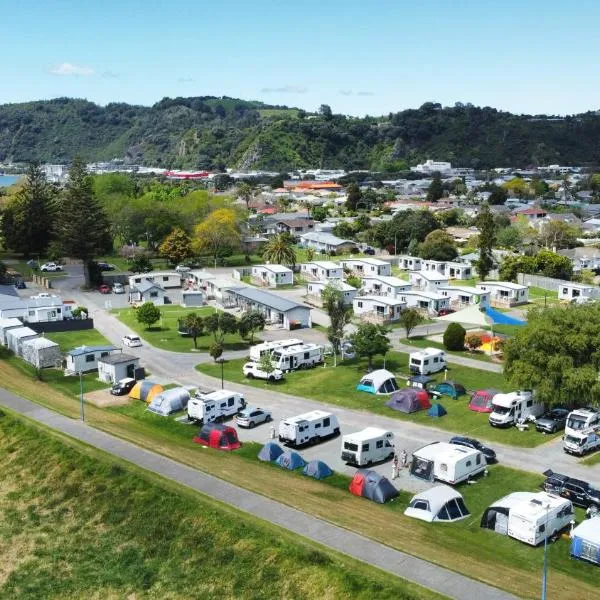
pixel 81 395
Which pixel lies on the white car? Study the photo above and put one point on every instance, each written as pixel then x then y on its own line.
pixel 182 269
pixel 118 288
pixel 132 341
pixel 252 416
pixel 50 267
pixel 252 370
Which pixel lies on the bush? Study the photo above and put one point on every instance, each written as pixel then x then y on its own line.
pixel 454 337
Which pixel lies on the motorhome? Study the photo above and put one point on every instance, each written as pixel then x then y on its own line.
pixel 302 356
pixel 581 442
pixel 308 428
pixel 542 516
pixel 429 360
pixel 257 351
pixel 582 420
pixel 368 446
pixel 445 462
pixel 509 409
pixel 214 406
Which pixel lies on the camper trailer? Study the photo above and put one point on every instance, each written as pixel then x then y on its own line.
pixel 429 360
pixel 302 356
pixel 257 351
pixel 582 419
pixel 543 516
pixel 509 409
pixel 445 462
pixel 309 428
pixel 368 446
pixel 207 408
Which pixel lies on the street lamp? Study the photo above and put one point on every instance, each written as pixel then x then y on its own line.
pixel 81 395
pixel 222 361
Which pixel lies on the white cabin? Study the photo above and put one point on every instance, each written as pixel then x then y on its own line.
pixel 430 302
pixel 165 279
pixel 314 290
pixel 463 296
pixel 505 293
pixel 147 291
pixel 363 267
pixel 85 358
pixel 580 293
pixel 321 270
pixel 114 367
pixel 380 309
pixel 409 263
pixel 272 275
pixel 381 285
pixel 428 281
pixel 449 269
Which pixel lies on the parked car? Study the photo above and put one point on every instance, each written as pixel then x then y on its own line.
pixel 445 311
pixel 20 284
pixel 133 341
pixel 50 267
pixel 118 288
pixel 182 269
pixel 123 386
pixel 106 266
pixel 252 416
pixel 552 421
pixel 252 370
pixel 104 289
pixel 370 251
pixel 577 491
pixel 490 455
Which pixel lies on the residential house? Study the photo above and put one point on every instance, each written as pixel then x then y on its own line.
pixel 197 279
pixel 218 289
pixel 117 366
pixel 533 214
pixel 578 292
pixel 165 279
pixel 450 269
pixel 505 293
pixel 463 296
pixel 409 263
pixel 327 243
pixel 461 235
pixel 428 281
pixel 428 302
pixel 314 290
pixel 381 285
pixel 272 275
pixel 35 309
pixel 378 309
pixel 295 227
pixel 363 267
pixel 583 258
pixel 147 291
pixel 85 358
pixel 321 270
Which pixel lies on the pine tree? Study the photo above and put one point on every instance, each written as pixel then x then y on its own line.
pixel 435 191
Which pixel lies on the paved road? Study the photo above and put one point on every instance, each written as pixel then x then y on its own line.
pixel 443 581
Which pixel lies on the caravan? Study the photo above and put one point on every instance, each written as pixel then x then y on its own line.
pixel 581 431
pixel 257 351
pixel 368 446
pixel 509 409
pixel 449 463
pixel 429 360
pixel 302 356
pixel 309 428
pixel 207 408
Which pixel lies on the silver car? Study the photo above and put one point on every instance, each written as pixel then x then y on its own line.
pixel 252 416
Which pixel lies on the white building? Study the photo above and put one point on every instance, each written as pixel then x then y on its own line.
pixel 147 291
pixel 409 263
pixel 505 293
pixel 321 270
pixel 430 167
pixel 85 358
pixel 165 279
pixel 363 267
pixel 577 292
pixel 17 336
pixel 327 242
pixel 314 290
pixel 450 269
pixel 463 296
pixel 430 302
pixel 117 366
pixel 381 285
pixel 272 275
pixel 427 281
pixel 379 309
pixel 41 353
pixel 35 309
pixel 218 289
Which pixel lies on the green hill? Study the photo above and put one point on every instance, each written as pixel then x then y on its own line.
pixel 209 132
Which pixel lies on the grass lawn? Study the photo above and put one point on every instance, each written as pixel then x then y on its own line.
pixel 77 523
pixel 67 340
pixel 164 334
pixel 316 384
pixel 423 342
pixel 462 547
pixel 591 460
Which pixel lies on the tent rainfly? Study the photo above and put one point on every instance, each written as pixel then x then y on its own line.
pixel 481 400
pixel 373 486
pixel 451 388
pixel 217 436
pixel 145 390
pixel 169 401
pixel 290 460
pixel 585 541
pixel 317 469
pixel 409 400
pixel 436 410
pixel 439 503
pixel 378 382
pixel 270 452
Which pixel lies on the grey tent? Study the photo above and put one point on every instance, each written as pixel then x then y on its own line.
pixel 409 400
pixel 169 401
pixel 373 486
pixel 317 469
pixel 290 460
pixel 41 352
pixel 270 452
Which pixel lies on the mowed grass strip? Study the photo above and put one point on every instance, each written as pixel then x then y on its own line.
pixel 67 340
pixel 465 547
pixel 78 524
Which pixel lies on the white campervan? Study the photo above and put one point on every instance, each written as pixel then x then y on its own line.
pixel 257 351
pixel 309 428
pixel 302 356
pixel 445 462
pixel 509 409
pixel 214 406
pixel 368 446
pixel 429 360
pixel 582 420
pixel 542 516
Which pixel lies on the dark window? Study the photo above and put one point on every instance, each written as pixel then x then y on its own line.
pixel 420 504
pixel 318 426
pixel 463 508
pixel 365 447
pixel 90 358
pixel 230 402
pixel 165 278
pixel 443 514
pixel 478 459
pixel 379 444
pixel 103 354
pixel 453 510
pixel 529 403
pixel 350 446
pixel 153 294
pixel 326 422
pixel 306 355
pixel 468 463
pixel 542 528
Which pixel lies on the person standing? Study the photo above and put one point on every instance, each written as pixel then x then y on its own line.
pixel 395 467
pixel 404 459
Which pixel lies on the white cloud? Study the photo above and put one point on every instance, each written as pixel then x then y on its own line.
pixel 286 89
pixel 70 69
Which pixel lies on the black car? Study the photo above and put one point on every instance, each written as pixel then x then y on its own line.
pixel 122 387
pixel 102 266
pixel 552 421
pixel 490 455
pixel 579 492
pixel 369 251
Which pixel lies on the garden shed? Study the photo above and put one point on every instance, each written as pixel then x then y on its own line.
pixel 117 366
pixel 41 353
pixel 17 336
pixel 194 298
pixel 5 326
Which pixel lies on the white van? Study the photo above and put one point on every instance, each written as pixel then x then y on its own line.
pixel 257 351
pixel 309 428
pixel 508 409
pixel 214 406
pixel 368 446
pixel 429 360
pixel 543 516
pixel 302 356
pixel 581 442
pixel 445 462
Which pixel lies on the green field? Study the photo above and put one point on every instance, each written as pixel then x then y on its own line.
pixel 164 334
pixel 75 523
pixel 67 340
pixel 317 384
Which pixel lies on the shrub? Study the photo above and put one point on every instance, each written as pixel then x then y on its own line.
pixel 454 337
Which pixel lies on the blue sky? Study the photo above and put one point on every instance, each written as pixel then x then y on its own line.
pixel 530 56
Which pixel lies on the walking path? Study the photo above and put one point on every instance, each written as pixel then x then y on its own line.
pixel 438 579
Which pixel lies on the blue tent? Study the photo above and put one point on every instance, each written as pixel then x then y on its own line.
pixel 290 460
pixel 317 469
pixel 270 452
pixel 436 410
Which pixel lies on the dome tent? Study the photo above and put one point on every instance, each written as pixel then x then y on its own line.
pixel 378 382
pixel 217 436
pixel 317 469
pixel 373 486
pixel 145 391
pixel 481 400
pixel 409 400
pixel 436 410
pixel 270 452
pixel 290 460
pixel 451 388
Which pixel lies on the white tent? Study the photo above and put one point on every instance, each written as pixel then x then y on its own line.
pixel 468 316
pixel 381 381
pixel 439 503
pixel 169 401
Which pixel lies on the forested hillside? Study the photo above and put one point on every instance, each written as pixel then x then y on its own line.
pixel 208 132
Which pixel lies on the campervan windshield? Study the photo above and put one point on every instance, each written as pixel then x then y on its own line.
pixel 502 410
pixel 576 423
pixel 576 441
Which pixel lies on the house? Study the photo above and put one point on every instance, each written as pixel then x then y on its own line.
pixel 327 243
pixel 165 279
pixel 218 289
pixel 532 214
pixel 314 290
pixel 277 310
pixel 430 302
pixel 364 267
pixel 85 358
pixel 381 285
pixel 272 275
pixel 427 281
pixel 461 235
pixel 577 292
pixel 462 296
pixel 409 263
pixel 583 258
pixel 5 326
pixel 450 269
pixel 117 366
pixel 198 278
pixel 505 293
pixel 147 291
pixel 378 309
pixel 35 309
pixel 15 338
pixel 295 227
pixel 321 270
pixel 41 353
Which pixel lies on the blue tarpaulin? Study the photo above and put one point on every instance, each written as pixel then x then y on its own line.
pixel 501 318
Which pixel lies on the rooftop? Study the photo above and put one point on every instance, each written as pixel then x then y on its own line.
pixel 274 268
pixel 382 300
pixel 324 264
pixel 376 262
pixel 389 280
pixel 81 350
pixel 117 359
pixel 507 284
pixel 267 299
pixel 325 238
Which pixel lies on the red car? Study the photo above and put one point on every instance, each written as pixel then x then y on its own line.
pixel 445 311
pixel 104 289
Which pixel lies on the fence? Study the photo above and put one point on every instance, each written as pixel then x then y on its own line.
pixel 546 283
pixel 58 326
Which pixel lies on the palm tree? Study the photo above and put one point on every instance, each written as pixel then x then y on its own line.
pixel 279 250
pixel 246 192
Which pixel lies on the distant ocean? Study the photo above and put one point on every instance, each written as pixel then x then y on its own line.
pixel 6 180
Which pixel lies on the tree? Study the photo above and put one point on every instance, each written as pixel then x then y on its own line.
pixel 218 231
pixel 141 264
pixel 370 340
pixel 82 228
pixel 409 319
pixel 405 230
pixel 512 265
pixel 266 364
pixel 487 236
pixel 319 213
pixel 435 190
pixel 279 250
pixel 246 192
pixel 250 323
pixel 473 341
pixel 216 350
pixel 353 196
pixel 454 337
pixel 517 187
pixel 556 354
pixel 339 314
pixel 438 245
pixel 194 325
pixel 355 281
pixel 498 195
pixel 553 265
pixel 509 237
pixel 556 235
pixel 220 324
pixel 310 254
pixel 325 111
pixel 222 182
pixel 147 314
pixel 177 246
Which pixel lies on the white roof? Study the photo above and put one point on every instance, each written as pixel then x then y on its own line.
pixel 462 288
pixel 378 377
pixel 506 284
pixel 449 451
pixel 41 342
pixel 506 400
pixel 324 238
pixel 369 261
pixel 382 300
pixel 513 499
pixel 539 504
pixel 201 274
pixel 217 395
pixel 298 348
pixel 19 332
pixel 577 286
pixel 324 264
pixel 424 294
pixel 152 274
pixel 389 280
pixel 427 352
pixel 367 434
pixel 313 415
pixel 12 322
pixel 437 497
pixel 588 530
pixel 274 268
pixel 430 276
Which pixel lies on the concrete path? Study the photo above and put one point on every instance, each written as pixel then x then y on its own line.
pixel 373 553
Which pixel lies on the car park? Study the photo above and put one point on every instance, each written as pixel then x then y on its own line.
pixel 104 289
pixel 490 455
pixel 118 288
pixel 552 421
pixel 252 416
pixel 133 341
pixel 252 370
pixel 579 492
pixel 50 267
